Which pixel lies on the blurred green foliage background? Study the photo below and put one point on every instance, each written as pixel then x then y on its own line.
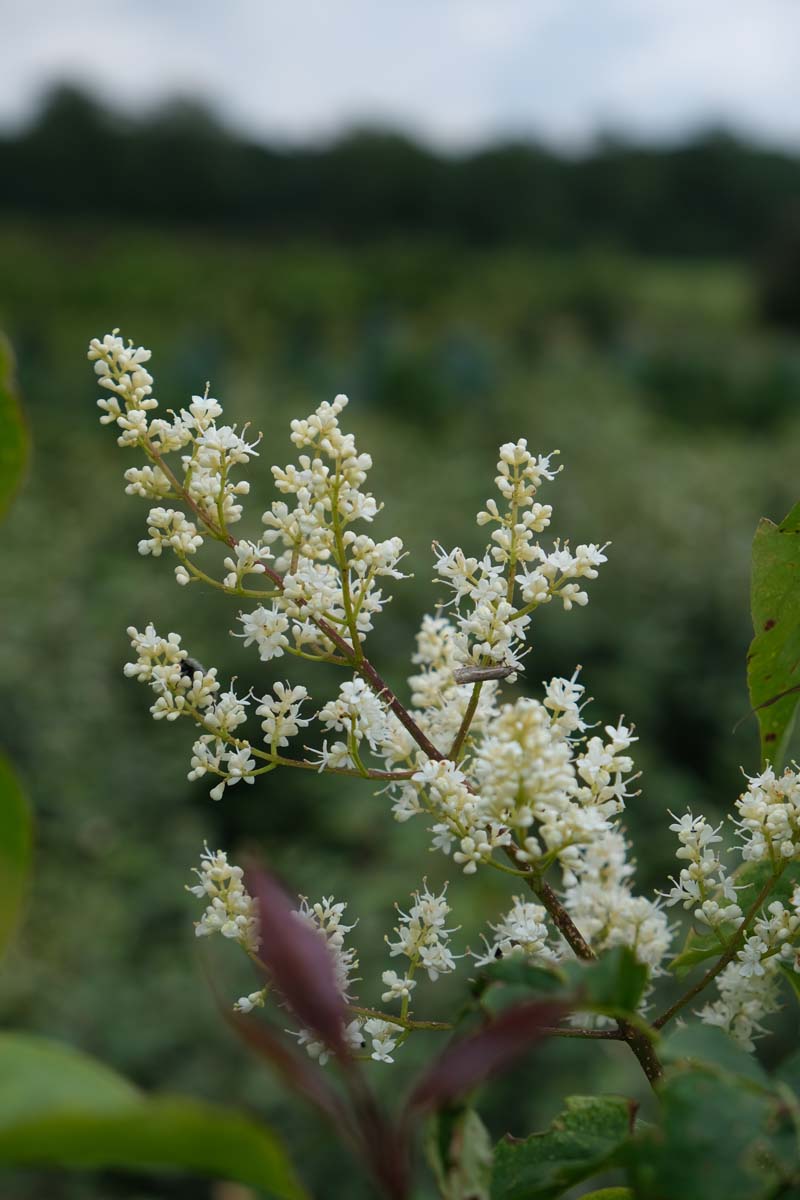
pixel 674 403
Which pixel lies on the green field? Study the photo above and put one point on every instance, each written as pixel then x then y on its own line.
pixel 678 423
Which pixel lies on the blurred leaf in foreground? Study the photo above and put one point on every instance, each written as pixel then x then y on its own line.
pixel 612 984
pixel 773 662
pixel 15 850
pixel 459 1151
pixel 724 1129
pixel 60 1108
pixel 13 434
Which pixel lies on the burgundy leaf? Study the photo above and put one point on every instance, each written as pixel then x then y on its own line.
pixel 467 1063
pixel 296 1071
pixel 299 963
pixel 384 1144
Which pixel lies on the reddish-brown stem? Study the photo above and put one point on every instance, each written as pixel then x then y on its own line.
pixel 382 689
pixel 639 1042
pixel 561 918
pixel 598 1035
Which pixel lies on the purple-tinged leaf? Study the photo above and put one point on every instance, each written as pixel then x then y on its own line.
pixel 299 963
pixel 384 1146
pixel 296 1071
pixel 467 1063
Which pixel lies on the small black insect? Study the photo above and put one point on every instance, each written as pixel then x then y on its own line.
pixel 189 666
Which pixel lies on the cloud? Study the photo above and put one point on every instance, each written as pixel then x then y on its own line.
pixel 456 71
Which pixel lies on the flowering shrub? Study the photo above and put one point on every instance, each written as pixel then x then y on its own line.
pixel 526 786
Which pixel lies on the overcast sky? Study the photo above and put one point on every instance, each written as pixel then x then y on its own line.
pixel 455 71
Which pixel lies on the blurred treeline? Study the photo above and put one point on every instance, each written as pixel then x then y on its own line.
pixel 711 194
pixel 643 356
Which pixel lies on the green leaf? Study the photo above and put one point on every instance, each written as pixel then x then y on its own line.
pixel 697 948
pixel 15 850
pixel 586 1138
pixel 612 1193
pixel 773 661
pixel 792 978
pixel 513 980
pixel 697 1044
pixel 459 1151
pixel 60 1108
pixel 515 969
pixel 13 434
pixel 719 1136
pixel 751 878
pixel 789 1071
pixel 613 984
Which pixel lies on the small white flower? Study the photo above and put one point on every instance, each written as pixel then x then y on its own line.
pixel 397 987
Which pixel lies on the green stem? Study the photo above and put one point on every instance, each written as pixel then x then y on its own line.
pixel 344 567
pixel 469 714
pixel 733 947
pixel 401 1022
pixel 237 591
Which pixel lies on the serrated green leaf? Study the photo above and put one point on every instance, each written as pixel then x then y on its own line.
pixel 585 1139
pixel 718 1135
pixel 515 969
pixel 773 661
pixel 13 434
pixel 697 1044
pixel 59 1107
pixel 459 1151
pixel 514 980
pixel 613 984
pixel 15 850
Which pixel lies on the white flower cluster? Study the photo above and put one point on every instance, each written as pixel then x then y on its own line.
pixel 535 787
pixel 329 571
pixel 183 688
pixel 703 884
pixel 231 911
pixel 768 824
pixel 749 985
pixel 423 939
pixel 493 596
pixel 522 931
pixel 323 570
pixel 599 898
pixel 358 714
pixel 213 451
pixel 769 816
pixel 281 713
pixel 521 784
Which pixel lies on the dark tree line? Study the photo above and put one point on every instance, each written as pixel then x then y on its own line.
pixel 713 194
